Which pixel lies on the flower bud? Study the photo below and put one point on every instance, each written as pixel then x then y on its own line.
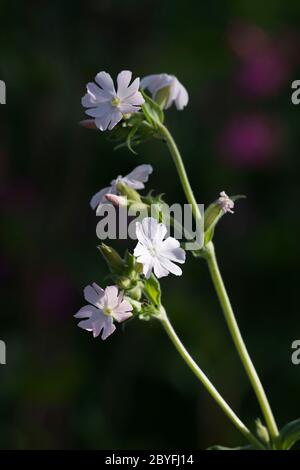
pixel 262 431
pixel 124 282
pixel 135 293
pixel 112 257
pixel 117 201
pixel 88 123
pixel 218 208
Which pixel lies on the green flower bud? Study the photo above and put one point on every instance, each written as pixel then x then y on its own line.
pixel 262 431
pixel 212 215
pixel 124 282
pixel 135 293
pixel 113 259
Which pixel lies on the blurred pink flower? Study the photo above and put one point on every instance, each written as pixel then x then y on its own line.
pixel 266 63
pixel 251 140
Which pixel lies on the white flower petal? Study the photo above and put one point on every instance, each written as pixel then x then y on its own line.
pixel 131 90
pixel 123 311
pixel 97 326
pixel 136 99
pixel 137 177
pixel 150 226
pixel 123 81
pixel 110 299
pixel 116 117
pixel 106 83
pixel 170 248
pixel 147 263
pixel 153 230
pixel 140 250
pixel 103 122
pixel 105 109
pixel 182 98
pixel 88 101
pixel 127 108
pixel 86 325
pixel 96 94
pixel 141 236
pixel 86 312
pixel 108 328
pixel 159 269
pixel 170 266
pixel 92 295
pixel 99 197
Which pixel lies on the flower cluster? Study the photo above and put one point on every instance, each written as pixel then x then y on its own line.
pixel 129 111
pixel 108 107
pixel 154 257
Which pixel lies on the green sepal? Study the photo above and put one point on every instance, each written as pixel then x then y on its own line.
pixel 148 312
pixel 152 290
pixel 130 193
pixel 152 111
pixel 212 216
pixel 131 132
pixel 113 259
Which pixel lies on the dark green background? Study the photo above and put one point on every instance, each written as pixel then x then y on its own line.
pixel 60 388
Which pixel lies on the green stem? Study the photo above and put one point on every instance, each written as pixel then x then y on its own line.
pixel 206 382
pixel 221 291
pixel 238 340
pixel 181 171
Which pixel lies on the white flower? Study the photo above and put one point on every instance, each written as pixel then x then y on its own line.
pixel 107 105
pixel 225 203
pixel 107 305
pixel 155 253
pixel 135 180
pixel 177 91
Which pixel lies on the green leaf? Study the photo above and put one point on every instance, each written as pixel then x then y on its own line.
pixel 152 290
pixel 249 447
pixel 130 136
pixel 290 434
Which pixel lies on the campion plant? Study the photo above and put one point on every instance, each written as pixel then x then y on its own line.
pixel 132 113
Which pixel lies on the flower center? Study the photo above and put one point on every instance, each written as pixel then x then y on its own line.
pixel 153 251
pixel 107 311
pixel 115 101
